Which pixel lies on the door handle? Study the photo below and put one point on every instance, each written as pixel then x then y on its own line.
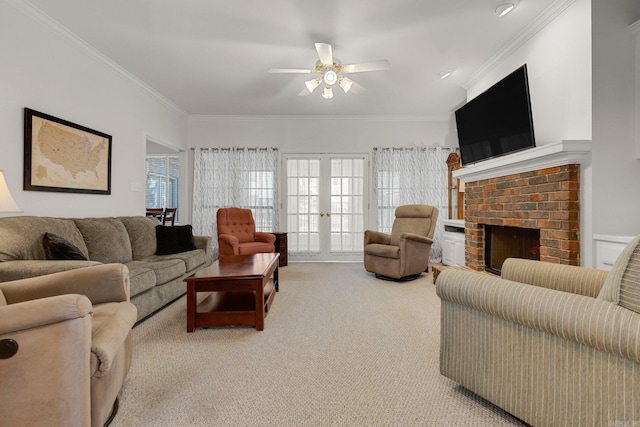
pixel 328 213
pixel 321 213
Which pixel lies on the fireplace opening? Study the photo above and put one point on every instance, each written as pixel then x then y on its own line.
pixel 509 242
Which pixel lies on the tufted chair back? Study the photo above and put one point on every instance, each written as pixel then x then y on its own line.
pixel 237 222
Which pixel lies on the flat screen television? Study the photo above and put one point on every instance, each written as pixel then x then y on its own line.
pixel 498 121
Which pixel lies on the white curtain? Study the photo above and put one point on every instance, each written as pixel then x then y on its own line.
pixel 235 177
pixel 414 175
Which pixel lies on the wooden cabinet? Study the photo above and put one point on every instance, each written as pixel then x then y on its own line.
pixel 453 243
pixel 281 247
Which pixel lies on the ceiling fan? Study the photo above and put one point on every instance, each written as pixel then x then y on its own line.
pixel 332 72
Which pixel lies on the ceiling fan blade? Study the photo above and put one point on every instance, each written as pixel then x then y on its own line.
pixel 383 64
pixel 325 53
pixel 290 70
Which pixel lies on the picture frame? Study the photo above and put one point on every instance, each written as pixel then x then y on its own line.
pixel 62 156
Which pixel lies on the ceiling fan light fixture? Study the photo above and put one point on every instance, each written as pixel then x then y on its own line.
pixel 312 84
pixel 345 84
pixel 330 77
pixel 327 93
pixel 504 8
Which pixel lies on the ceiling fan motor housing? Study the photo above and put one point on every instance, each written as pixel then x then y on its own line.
pixel 330 77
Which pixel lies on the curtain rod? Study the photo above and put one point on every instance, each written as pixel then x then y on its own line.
pixel 234 148
pixel 409 148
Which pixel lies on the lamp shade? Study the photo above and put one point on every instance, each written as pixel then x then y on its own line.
pixel 7 204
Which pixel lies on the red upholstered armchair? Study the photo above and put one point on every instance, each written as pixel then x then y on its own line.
pixel 237 233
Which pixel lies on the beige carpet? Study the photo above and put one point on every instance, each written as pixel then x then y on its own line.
pixel 340 348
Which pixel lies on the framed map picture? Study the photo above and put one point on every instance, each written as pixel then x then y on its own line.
pixel 62 156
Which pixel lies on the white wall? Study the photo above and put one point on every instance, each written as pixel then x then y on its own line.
pixel 616 171
pixel 46 69
pixel 558 59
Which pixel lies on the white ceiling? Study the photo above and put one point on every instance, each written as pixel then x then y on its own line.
pixel 210 57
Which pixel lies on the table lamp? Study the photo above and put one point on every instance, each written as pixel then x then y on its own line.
pixel 7 204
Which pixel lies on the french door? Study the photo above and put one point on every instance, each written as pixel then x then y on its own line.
pixel 324 206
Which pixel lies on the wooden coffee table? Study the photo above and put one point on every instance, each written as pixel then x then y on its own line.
pixel 241 291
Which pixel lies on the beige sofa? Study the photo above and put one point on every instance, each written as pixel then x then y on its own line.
pixel 65 346
pixel 156 280
pixel 551 344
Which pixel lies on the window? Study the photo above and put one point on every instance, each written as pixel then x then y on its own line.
pixel 162 182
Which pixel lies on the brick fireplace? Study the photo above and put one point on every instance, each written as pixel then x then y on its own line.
pixel 537 189
pixel 545 199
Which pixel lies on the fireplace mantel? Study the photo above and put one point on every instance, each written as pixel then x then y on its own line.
pixel 545 156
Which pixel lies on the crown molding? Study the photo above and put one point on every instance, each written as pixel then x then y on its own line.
pixel 390 118
pixel 635 27
pixel 46 21
pixel 547 16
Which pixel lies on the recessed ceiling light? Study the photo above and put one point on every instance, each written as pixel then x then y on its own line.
pixel 444 74
pixel 504 8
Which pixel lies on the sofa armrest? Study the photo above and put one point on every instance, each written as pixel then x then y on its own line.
pixel 568 278
pixel 265 237
pixel 101 283
pixel 371 236
pixel 22 269
pixel 589 321
pixel 204 243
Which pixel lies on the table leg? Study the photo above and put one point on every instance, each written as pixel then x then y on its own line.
pixel 191 306
pixel 259 305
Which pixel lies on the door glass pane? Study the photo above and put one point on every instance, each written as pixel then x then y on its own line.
pixel 303 179
pixel 347 216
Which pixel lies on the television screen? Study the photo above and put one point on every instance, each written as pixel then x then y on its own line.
pixel 498 121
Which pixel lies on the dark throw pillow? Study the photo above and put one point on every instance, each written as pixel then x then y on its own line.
pixel 57 248
pixel 174 239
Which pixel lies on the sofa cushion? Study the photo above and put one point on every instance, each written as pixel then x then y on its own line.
pixel 165 271
pixel 57 248
pixel 140 280
pixel 622 286
pixel 174 239
pixel 21 236
pixel 192 259
pixel 142 235
pixel 107 239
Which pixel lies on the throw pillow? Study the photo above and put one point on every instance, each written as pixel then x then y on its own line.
pixel 58 248
pixel 174 239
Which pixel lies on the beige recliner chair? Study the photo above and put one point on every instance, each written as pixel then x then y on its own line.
pixel 404 253
pixel 65 346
